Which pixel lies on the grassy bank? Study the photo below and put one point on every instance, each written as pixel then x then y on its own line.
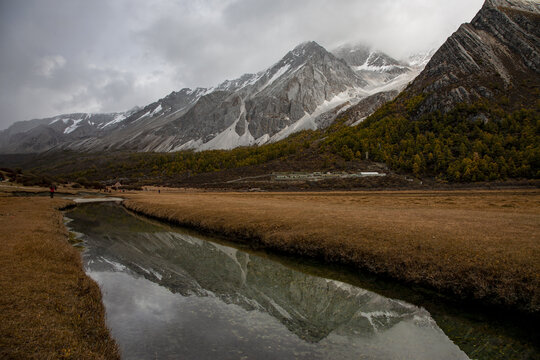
pixel 49 308
pixel 481 245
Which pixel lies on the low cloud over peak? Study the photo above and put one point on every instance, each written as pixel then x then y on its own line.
pixel 64 56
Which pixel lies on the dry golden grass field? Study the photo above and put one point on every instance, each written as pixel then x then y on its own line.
pixel 481 245
pixel 9 189
pixel 49 308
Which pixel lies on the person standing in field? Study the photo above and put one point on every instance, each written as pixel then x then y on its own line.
pixel 51 189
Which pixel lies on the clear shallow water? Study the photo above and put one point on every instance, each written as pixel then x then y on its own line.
pixel 172 294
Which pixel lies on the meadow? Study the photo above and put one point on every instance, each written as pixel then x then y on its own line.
pixel 476 245
pixel 50 309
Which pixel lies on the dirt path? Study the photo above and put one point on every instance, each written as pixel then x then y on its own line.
pixel 481 245
pixel 49 308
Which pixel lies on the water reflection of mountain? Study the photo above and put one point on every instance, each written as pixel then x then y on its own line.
pixel 309 306
pixel 327 317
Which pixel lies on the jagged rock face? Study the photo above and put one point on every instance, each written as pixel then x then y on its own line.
pixel 311 76
pixel 218 109
pixel 490 57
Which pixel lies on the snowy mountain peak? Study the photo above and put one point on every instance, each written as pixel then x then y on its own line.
pixel 306 89
pixel 304 51
pixel 306 48
pixel 354 55
pixel 364 56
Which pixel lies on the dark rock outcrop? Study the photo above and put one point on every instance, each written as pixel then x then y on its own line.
pixel 495 55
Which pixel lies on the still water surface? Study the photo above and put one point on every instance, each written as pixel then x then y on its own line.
pixel 173 294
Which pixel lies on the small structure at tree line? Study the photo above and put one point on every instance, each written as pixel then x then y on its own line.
pixel 117 186
pixel 318 176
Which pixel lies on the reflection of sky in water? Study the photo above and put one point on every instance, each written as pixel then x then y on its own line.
pixel 173 295
pixel 148 320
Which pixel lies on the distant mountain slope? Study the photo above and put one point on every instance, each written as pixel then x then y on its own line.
pixel 43 134
pixel 382 72
pixel 306 89
pixel 363 58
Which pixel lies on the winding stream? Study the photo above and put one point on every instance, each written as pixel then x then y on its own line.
pixel 170 294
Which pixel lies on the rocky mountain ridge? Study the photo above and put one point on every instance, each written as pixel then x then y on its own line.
pixel 306 89
pixel 495 56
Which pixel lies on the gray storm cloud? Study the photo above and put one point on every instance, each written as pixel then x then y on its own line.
pixel 60 56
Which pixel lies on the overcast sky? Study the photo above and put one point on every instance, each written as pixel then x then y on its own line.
pixel 62 56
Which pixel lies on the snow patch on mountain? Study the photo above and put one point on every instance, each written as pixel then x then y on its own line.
pixel 118 118
pixel 73 126
pixel 229 138
pixel 357 122
pixel 253 80
pixel 262 140
pixel 307 122
pixel 208 91
pixel 190 145
pixel 143 116
pixel 277 75
pixel 382 68
pixel 64 120
pixel 156 110
pixel 398 83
